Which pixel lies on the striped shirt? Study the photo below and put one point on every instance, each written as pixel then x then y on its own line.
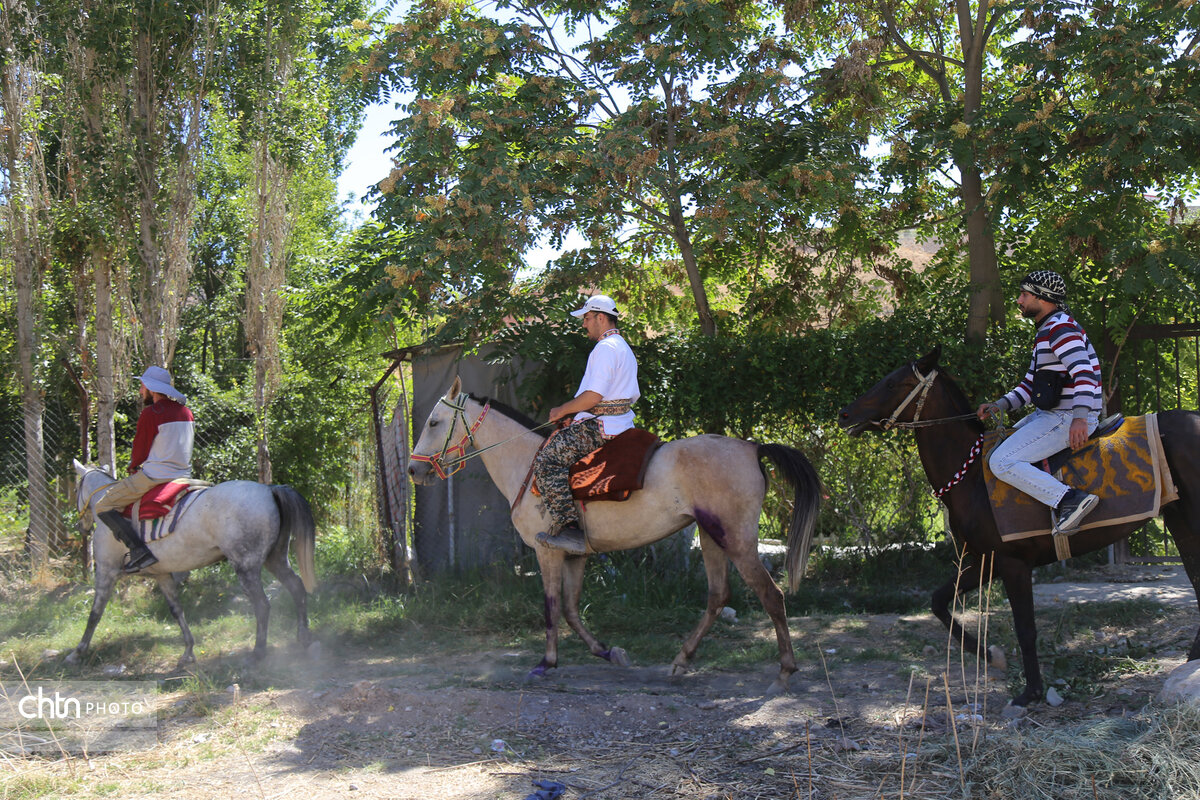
pixel 1062 345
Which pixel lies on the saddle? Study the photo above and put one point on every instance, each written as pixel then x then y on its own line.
pixel 614 471
pixel 149 514
pixel 1122 463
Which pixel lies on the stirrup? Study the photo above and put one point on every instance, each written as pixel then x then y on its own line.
pixel 135 564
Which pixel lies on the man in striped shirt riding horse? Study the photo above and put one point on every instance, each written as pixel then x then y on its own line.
pixel 1063 383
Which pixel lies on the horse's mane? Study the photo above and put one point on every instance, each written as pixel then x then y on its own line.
pixel 957 396
pixel 513 414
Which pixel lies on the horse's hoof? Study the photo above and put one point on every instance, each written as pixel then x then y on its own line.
pixel 996 657
pixel 1014 712
pixel 618 656
pixel 185 661
pixel 313 649
pixel 777 687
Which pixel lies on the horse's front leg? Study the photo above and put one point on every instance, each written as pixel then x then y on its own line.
pixel 106 578
pixel 170 589
pixel 550 564
pixel 251 580
pixel 716 568
pixel 572 591
pixel 968 579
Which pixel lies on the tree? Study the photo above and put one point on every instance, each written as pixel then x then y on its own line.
pixel 926 70
pixel 26 220
pixel 639 125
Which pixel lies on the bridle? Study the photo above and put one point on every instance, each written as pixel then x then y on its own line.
pixel 458 452
pixel 920 392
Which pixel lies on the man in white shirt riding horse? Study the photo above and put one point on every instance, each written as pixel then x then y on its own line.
pixel 602 408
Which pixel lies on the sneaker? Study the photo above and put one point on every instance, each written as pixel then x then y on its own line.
pixel 1071 510
pixel 570 540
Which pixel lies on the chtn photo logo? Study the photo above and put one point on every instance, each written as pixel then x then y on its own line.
pixel 59 706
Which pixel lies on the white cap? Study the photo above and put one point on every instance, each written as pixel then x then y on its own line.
pixel 598 302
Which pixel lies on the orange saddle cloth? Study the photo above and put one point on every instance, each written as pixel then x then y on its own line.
pixel 616 470
pixel 1127 470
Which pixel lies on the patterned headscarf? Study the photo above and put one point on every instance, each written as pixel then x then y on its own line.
pixel 1047 285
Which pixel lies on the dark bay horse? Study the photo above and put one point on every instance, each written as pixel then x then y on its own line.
pixel 714 481
pixel 922 397
pixel 248 523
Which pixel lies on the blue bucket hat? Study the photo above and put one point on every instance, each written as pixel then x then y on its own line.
pixel 157 379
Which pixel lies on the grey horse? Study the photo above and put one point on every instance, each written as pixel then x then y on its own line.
pixel 248 523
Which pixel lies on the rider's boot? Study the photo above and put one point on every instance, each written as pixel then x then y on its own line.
pixel 139 556
pixel 569 539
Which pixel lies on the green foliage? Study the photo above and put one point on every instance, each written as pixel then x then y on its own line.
pixel 670 136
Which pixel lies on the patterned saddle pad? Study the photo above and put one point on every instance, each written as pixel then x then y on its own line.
pixel 154 517
pixel 614 471
pixel 1127 470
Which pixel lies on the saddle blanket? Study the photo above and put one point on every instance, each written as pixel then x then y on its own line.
pixel 614 471
pixel 153 512
pixel 1127 470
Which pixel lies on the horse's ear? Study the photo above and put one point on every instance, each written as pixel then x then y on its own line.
pixel 79 468
pixel 930 359
pixel 455 388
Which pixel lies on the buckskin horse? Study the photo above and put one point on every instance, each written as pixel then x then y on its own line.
pixel 716 481
pixel 922 397
pixel 248 523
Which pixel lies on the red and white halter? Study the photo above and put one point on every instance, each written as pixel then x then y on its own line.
pixel 457 453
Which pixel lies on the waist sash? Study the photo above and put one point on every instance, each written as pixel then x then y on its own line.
pixel 611 408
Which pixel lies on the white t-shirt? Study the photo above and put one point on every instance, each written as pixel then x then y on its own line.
pixel 612 373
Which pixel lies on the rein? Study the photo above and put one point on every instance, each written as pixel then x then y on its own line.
pixel 458 452
pixel 921 392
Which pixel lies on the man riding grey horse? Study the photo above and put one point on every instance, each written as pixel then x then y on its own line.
pixel 162 452
pixel 603 408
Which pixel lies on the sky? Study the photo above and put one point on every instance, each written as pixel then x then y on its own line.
pixel 367 164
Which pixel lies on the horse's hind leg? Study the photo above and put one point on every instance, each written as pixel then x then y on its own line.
pixel 757 577
pixel 1179 516
pixel 572 590
pixel 251 580
pixel 170 589
pixel 716 568
pixel 106 578
pixel 278 565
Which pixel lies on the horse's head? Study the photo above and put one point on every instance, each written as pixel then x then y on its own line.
pixel 897 398
pixel 444 438
pixel 90 481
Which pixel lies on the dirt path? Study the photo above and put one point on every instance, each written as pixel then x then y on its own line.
pixel 876 698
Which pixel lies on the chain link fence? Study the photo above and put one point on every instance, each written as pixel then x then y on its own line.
pixel 47 504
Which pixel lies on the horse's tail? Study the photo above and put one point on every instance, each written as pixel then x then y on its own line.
pixel 800 473
pixel 296 520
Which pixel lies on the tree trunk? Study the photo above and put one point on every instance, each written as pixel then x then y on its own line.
pixel 683 240
pixel 24 210
pixel 106 401
pixel 986 301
